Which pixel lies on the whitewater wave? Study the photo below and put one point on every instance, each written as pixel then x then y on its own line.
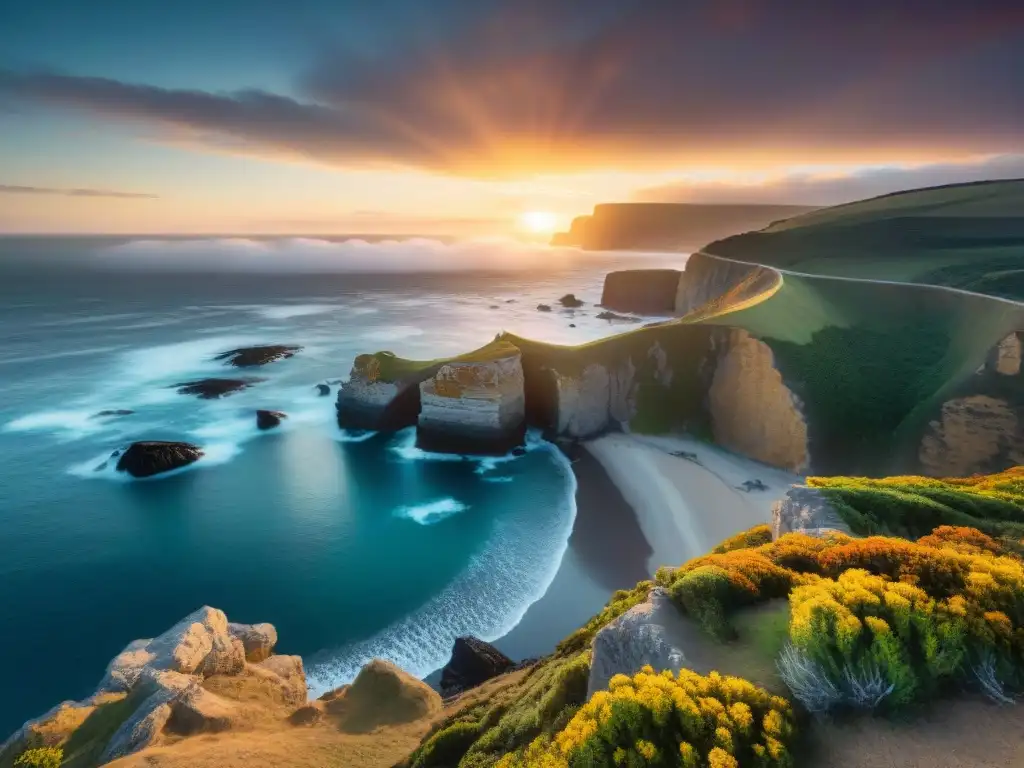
pixel 487 599
pixel 432 512
pixel 304 255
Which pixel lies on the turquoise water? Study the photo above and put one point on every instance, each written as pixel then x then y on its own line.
pixel 353 545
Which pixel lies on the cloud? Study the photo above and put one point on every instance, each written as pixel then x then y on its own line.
pixel 503 88
pixel 17 189
pixel 834 188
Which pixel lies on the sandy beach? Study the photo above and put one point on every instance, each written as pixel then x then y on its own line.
pixel 685 505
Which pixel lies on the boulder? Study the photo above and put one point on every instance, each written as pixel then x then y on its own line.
pixel 382 694
pixel 644 291
pixel 144 459
pixel 473 662
pixel 808 511
pixel 285 672
pixel 649 633
pixel 570 301
pixel 269 419
pixel 543 308
pixel 323 390
pixel 258 640
pixel 248 357
pixel 474 405
pixel 211 389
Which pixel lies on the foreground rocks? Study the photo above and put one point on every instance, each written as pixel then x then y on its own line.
pixel 211 389
pixel 269 419
pixel 808 511
pixel 152 457
pixel 248 357
pixel 473 662
pixel 474 406
pixel 652 632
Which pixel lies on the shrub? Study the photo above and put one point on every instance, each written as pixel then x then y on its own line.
pixel 621 602
pixel 661 719
pixel 446 747
pixel 754 537
pixel 40 757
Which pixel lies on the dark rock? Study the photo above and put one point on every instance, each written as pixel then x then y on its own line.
pixel 572 325
pixel 269 419
pixel 112 413
pixel 644 291
pixel 247 357
pixel 510 301
pixel 570 300
pixel 519 451
pixel 543 308
pixel 685 455
pixel 606 315
pixel 323 389
pixel 752 485
pixel 210 389
pixel 494 306
pixel 473 662
pixel 151 457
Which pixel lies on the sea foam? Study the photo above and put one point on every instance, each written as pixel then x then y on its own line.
pixel 432 512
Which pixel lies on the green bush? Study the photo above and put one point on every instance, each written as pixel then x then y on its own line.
pixel 40 757
pixel 446 747
pixel 705 593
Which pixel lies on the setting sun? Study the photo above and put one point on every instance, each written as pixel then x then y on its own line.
pixel 539 222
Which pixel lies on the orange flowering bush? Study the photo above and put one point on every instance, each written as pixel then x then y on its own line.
pixel 661 719
pixel 752 537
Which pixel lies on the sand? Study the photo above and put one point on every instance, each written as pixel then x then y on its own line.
pixel 686 506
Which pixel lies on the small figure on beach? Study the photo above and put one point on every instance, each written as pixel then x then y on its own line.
pixel 752 485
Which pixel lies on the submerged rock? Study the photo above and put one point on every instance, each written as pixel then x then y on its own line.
pixel 473 662
pixel 269 419
pixel 570 301
pixel 248 357
pixel 112 413
pixel 151 457
pixel 211 389
pixel 323 389
pixel 474 406
pixel 607 315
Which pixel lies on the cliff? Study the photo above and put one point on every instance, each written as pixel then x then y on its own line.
pixel 667 226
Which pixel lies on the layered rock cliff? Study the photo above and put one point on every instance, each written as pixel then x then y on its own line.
pixel 643 291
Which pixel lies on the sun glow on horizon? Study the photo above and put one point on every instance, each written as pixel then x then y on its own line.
pixel 539 222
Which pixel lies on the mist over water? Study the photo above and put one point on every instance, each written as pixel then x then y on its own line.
pixel 353 544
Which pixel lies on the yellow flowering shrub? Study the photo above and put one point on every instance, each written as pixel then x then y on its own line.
pixel 662 719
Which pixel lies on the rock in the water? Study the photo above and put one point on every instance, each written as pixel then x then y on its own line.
pixel 210 389
pixel 650 633
pixel 570 301
pixel 269 419
pixel 112 413
pixel 610 316
pixel 474 406
pixel 572 325
pixel 543 308
pixel 806 510
pixel 247 357
pixel 644 291
pixel 378 397
pixel 382 694
pixel 258 640
pixel 151 457
pixel 473 662
pixel 323 390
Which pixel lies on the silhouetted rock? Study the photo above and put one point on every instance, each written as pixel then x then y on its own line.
pixel 572 325
pixel 323 389
pixel 247 357
pixel 543 308
pixel 112 413
pixel 210 389
pixel 473 662
pixel 570 301
pixel 269 419
pixel 151 457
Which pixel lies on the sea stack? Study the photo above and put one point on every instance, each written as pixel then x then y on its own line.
pixel 475 404
pixel 378 395
pixel 145 459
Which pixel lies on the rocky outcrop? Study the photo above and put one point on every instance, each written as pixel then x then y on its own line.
pixel 1004 359
pixel 371 399
pixel 569 301
pixel 269 419
pixel 808 511
pixel 709 285
pixel 249 357
pixel 211 389
pixel 643 291
pixel 974 433
pixel 381 694
pixel 474 406
pixel 752 410
pixel 597 399
pixel 152 457
pixel 323 390
pixel 650 633
pixel 473 662
pixel 170 681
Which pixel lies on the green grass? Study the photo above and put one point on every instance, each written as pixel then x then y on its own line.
pixel 393 368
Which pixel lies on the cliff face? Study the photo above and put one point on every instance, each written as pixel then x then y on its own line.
pixel 368 401
pixel 474 407
pixel 709 285
pixel 668 226
pixel 599 398
pixel 643 291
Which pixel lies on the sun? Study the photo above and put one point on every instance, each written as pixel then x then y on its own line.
pixel 539 222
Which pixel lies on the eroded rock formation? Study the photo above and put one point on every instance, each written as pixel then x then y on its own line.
pixel 596 399
pixel 473 662
pixel 152 457
pixel 808 511
pixel 211 389
pixel 248 357
pixel 752 410
pixel 269 419
pixel 372 400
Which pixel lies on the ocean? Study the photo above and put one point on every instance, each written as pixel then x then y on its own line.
pixel 354 545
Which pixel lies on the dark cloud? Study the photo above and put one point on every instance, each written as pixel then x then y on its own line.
pixel 17 189
pixel 504 87
pixel 807 189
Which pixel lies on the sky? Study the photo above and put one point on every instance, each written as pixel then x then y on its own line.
pixel 459 117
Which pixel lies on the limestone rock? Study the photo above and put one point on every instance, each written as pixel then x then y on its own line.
pixel 975 433
pixel 288 673
pixel 151 457
pixel 643 291
pixel 648 633
pixel 596 399
pixel 257 639
pixel 753 412
pixel 143 729
pixel 806 510
pixel 474 406
pixel 473 662
pixel 369 401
